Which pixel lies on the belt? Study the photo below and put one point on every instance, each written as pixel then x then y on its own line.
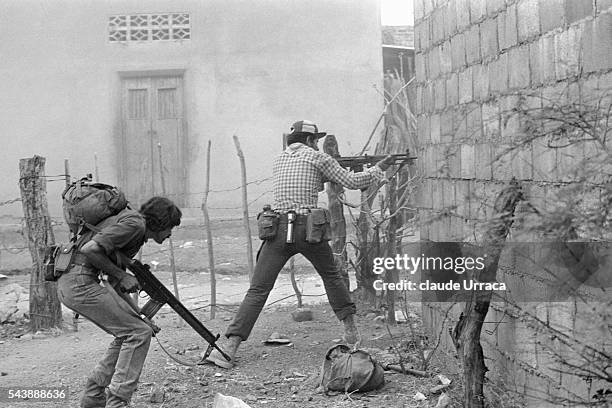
pixel 80 259
pixel 299 219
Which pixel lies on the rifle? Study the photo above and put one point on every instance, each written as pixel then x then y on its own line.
pixel 160 295
pixel 356 163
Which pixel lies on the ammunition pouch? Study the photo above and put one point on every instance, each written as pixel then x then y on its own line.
pixel 267 225
pixel 58 260
pixel 318 227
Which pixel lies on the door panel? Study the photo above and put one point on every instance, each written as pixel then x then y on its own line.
pixel 152 114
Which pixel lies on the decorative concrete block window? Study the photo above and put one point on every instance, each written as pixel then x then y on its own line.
pixel 149 27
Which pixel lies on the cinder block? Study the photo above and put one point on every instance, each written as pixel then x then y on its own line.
pixel 603 5
pixel 418 10
pixel 480 75
pixel 528 17
pixel 462 197
pixel 460 127
pixel 596 44
pixel 537 77
pixel 507 28
pixel 545 162
pixel 498 74
pixel 428 97
pixel 522 163
pixel 448 191
pixel 501 162
pixel 435 128
pixel 472 44
pixel 567 52
pixel 547 59
pixel 465 86
pixel 484 170
pixel 422 130
pixel 474 122
pixel 488 38
pixel 419 99
pixel 577 10
pixel 433 63
pixel 491 121
pixel 427 7
pixel 467 161
pixel 493 6
pixel 452 90
pixel 437 196
pixel 478 9
pixel 453 157
pixel 446 126
pixel 518 69
pixel 440 93
pixel 445 58
pixel 552 14
pixel 458 52
pixel 451 18
pixel 425 34
pixel 463 14
pixel 419 66
pixel 438 24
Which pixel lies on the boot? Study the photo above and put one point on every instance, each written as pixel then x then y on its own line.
pixel 230 347
pixel 351 334
pixel 113 401
pixel 94 395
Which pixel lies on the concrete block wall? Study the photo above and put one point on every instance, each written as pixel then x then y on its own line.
pixel 472 59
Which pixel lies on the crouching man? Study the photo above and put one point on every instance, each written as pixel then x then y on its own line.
pixel 108 305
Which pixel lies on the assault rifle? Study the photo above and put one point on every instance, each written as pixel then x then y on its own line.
pixel 356 163
pixel 160 295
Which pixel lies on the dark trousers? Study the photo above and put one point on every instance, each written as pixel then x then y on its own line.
pixel 270 260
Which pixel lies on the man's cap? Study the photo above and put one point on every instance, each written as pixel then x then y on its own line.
pixel 306 126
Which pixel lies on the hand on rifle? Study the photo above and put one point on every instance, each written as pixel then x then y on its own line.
pixel 129 283
pixel 385 163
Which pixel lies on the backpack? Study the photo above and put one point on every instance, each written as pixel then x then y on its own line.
pixel 86 202
pixel 349 370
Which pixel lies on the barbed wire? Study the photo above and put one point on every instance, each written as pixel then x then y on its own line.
pixel 7 202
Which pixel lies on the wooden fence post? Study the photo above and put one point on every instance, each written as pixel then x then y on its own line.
pixel 336 209
pixel 45 308
pixel 211 259
pixel 170 243
pixel 245 208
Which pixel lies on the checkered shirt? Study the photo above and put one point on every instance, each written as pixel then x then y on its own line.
pixel 299 173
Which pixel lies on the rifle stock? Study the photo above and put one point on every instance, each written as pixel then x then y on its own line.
pixel 160 295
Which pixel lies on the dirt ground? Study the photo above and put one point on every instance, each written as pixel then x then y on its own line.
pixel 265 376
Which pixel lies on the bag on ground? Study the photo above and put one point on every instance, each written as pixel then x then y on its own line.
pixel 350 370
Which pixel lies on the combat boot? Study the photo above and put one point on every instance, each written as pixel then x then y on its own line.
pixel 351 334
pixel 113 401
pixel 229 347
pixel 94 395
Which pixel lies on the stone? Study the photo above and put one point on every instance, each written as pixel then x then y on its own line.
pixel 158 395
pixel 302 315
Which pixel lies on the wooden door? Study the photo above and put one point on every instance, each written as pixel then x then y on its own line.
pixel 152 116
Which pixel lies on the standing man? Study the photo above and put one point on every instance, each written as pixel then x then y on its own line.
pixel 109 306
pixel 299 174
